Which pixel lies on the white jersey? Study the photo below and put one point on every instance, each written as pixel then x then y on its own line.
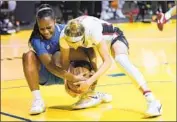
pixel 94 31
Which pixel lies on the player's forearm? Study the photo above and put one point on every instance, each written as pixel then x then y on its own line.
pixel 103 68
pixel 59 72
pixel 65 65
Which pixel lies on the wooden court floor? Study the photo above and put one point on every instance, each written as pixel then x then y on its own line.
pixel 152 51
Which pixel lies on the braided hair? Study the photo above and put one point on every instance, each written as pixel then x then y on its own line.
pixel 44 10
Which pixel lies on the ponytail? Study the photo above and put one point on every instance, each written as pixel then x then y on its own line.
pixel 35 33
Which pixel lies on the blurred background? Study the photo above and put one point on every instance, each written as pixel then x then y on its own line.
pixel 20 15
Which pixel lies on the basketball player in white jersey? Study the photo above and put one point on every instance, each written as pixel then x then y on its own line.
pixel 90 32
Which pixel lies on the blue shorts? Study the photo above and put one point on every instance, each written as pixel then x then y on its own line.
pixel 47 78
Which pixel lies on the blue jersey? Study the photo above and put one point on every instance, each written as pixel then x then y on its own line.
pixel 48 46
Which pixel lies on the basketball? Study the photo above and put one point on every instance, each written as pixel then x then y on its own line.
pixel 77 68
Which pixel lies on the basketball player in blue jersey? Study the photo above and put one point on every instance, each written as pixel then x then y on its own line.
pixel 41 65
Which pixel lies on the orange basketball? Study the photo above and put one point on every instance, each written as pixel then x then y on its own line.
pixel 76 68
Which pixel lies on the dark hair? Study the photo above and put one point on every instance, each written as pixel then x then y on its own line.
pixel 44 10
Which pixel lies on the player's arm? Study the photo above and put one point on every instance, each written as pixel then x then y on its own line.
pixel 91 53
pixel 46 60
pixel 64 54
pixel 65 58
pixel 104 53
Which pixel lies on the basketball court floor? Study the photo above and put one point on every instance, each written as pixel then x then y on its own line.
pixel 152 51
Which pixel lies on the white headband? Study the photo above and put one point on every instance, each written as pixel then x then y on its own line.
pixel 46 8
pixel 74 39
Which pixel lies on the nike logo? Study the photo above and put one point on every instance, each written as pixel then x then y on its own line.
pixel 95 97
pixel 159 108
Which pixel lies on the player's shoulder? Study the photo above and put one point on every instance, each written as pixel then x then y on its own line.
pixel 37 44
pixel 35 41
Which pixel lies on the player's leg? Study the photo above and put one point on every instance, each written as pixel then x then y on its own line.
pixel 163 18
pixel 120 54
pixel 172 11
pixel 31 67
pixel 36 74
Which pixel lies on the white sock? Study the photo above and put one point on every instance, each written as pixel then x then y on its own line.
pixel 168 15
pixel 36 94
pixel 131 70
pixel 149 97
pixel 135 74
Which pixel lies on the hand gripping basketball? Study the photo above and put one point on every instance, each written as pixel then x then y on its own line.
pixel 78 68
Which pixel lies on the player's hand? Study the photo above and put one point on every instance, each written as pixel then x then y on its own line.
pixel 74 78
pixel 83 85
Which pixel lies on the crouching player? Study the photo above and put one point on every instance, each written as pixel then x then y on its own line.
pixel 90 32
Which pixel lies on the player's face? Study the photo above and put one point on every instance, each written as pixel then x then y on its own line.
pixel 46 27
